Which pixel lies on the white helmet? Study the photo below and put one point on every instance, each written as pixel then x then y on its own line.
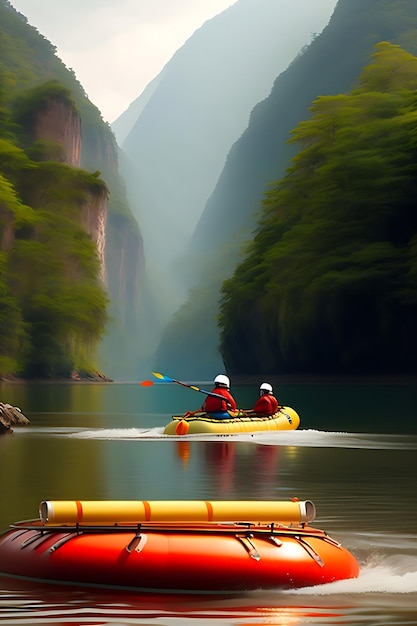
pixel 222 380
pixel 266 387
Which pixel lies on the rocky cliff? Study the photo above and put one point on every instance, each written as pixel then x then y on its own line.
pixel 62 128
pixel 59 122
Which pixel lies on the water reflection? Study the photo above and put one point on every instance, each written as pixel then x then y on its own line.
pixel 227 466
pixel 362 603
pixel 354 456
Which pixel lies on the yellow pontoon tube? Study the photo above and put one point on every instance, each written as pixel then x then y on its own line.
pixel 98 512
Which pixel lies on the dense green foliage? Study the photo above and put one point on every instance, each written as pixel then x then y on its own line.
pixel 329 283
pixel 51 299
pixel 329 65
pixel 53 306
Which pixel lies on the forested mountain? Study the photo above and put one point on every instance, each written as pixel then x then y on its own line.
pixel 308 229
pixel 200 105
pixel 65 225
pixel 330 281
pixel 273 319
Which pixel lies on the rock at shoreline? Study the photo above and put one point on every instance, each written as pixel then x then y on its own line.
pixel 11 416
pixel 90 377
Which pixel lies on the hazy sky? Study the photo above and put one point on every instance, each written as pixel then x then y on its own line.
pixel 116 47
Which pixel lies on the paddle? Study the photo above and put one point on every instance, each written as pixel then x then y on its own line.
pixel 168 379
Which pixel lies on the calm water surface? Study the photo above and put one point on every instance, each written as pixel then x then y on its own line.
pixel 354 456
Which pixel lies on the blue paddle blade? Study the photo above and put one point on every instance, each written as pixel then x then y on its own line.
pixel 167 379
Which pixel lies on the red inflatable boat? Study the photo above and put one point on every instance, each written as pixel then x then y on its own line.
pixel 175 547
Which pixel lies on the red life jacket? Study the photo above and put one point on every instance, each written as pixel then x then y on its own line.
pixel 215 405
pixel 266 405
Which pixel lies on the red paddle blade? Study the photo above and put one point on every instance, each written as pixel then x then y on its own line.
pixel 146 383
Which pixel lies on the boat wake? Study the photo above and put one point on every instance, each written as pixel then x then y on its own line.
pixel 300 438
pixel 383 578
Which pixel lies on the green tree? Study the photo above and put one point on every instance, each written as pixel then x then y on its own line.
pixel 13 339
pixel 50 287
pixel 327 284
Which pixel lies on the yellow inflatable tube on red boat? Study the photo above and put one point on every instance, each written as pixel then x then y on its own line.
pixel 99 512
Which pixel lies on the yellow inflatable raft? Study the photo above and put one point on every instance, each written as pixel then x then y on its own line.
pixel 244 422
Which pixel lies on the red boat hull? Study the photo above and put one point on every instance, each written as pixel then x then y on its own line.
pixel 197 558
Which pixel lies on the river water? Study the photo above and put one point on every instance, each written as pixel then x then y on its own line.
pixel 354 456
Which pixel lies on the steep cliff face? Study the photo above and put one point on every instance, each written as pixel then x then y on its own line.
pixel 73 193
pixel 60 123
pixel 125 263
pixel 94 219
pixel 123 345
pixel 106 217
pixel 120 240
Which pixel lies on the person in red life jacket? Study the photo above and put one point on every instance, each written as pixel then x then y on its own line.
pixel 266 404
pixel 214 404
